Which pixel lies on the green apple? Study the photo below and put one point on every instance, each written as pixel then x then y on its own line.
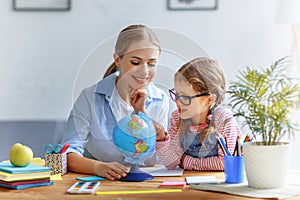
pixel 20 155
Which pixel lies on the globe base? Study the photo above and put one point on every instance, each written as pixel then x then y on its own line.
pixel 136 175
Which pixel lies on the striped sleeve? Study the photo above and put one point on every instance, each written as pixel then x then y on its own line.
pixel 225 125
pixel 169 151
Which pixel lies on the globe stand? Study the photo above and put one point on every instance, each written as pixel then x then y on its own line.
pixel 135 175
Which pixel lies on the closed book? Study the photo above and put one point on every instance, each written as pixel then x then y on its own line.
pixel 21 177
pixel 19 187
pixel 9 168
pixel 15 183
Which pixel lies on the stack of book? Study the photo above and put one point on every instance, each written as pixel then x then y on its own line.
pixel 29 176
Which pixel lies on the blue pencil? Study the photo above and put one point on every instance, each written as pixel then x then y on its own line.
pixel 223 144
pixel 218 140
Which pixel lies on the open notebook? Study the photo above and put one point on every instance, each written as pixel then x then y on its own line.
pixel 160 170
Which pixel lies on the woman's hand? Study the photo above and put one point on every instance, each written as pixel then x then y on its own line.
pixel 138 100
pixel 111 170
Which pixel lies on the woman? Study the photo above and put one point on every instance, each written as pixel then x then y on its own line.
pixel 99 107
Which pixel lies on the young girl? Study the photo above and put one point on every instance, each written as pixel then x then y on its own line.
pixel 95 113
pixel 199 89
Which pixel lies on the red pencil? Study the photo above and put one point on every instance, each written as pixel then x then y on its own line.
pixel 65 147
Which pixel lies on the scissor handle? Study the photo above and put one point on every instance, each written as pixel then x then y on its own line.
pixel 49 149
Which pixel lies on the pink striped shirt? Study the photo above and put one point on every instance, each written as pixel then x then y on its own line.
pixel 170 151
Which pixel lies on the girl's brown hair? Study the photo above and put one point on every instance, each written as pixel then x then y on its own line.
pixel 128 36
pixel 205 76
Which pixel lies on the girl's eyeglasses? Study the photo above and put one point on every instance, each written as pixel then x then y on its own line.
pixel 185 100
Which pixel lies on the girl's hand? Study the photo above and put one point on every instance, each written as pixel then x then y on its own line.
pixel 138 100
pixel 111 171
pixel 182 161
pixel 160 131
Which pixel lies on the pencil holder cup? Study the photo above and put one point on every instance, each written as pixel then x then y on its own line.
pixel 58 162
pixel 234 169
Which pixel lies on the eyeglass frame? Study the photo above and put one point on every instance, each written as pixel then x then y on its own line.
pixel 178 97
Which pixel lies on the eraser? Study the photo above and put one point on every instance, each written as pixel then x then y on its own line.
pixel 173 183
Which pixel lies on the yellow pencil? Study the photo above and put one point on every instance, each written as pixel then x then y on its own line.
pixel 139 191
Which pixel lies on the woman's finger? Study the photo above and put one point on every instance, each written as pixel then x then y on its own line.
pixel 133 99
pixel 113 174
pixel 108 175
pixel 120 169
pixel 120 172
pixel 132 92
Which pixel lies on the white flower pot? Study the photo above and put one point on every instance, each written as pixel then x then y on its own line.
pixel 266 166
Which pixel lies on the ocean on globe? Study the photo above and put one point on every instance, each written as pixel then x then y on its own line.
pixel 135 137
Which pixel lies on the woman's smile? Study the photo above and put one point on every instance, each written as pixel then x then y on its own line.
pixel 140 80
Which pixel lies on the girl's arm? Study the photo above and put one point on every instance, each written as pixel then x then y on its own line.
pixel 169 150
pixel 226 126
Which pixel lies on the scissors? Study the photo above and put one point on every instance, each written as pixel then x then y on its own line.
pixel 49 149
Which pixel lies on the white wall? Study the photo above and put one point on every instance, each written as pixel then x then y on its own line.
pixel 40 52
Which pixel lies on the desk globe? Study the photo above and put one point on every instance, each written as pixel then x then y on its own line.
pixel 135 137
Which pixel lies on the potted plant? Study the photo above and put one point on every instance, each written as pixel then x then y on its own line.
pixel 266 101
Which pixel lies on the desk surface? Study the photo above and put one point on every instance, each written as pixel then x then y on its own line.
pixel 57 191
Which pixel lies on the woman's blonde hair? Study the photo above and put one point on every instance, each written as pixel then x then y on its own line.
pixel 128 36
pixel 205 76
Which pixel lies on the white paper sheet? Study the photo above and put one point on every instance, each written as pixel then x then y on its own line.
pixel 160 170
pixel 200 179
pixel 291 189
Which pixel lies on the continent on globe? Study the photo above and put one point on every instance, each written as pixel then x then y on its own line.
pixel 141 146
pixel 135 124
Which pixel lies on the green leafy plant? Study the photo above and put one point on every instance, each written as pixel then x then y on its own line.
pixel 266 100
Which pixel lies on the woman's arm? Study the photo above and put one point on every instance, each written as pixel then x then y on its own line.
pixel 110 171
pixel 76 133
pixel 78 124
